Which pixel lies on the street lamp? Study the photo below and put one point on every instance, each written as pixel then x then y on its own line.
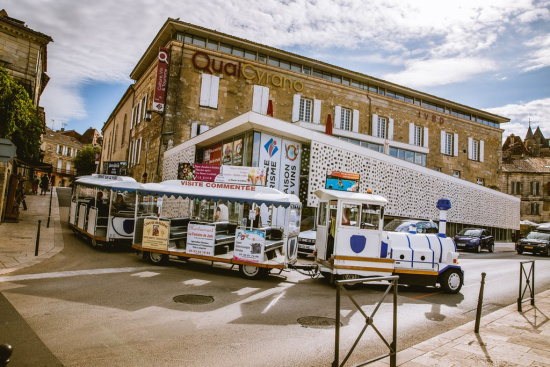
pixel 149 114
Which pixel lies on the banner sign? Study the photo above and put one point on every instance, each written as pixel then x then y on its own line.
pixel 270 159
pixel 162 80
pixel 249 245
pixel 241 175
pixel 342 181
pixel 201 239
pixel 117 168
pixel 227 153
pixel 213 154
pixel 289 177
pixel 156 233
pixel 238 152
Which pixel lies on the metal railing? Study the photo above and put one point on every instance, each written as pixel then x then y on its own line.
pixel 369 320
pixel 529 283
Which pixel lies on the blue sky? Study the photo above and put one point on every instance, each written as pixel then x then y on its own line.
pixel 492 55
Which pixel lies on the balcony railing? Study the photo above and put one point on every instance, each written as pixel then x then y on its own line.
pixel 65 172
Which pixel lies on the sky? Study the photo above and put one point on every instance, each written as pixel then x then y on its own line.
pixel 493 55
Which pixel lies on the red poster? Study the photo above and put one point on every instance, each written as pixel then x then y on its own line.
pixel 213 154
pixel 206 172
pixel 162 80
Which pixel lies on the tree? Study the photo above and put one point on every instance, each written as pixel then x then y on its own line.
pixel 20 121
pixel 84 162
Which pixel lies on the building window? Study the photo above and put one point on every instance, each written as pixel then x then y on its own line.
pixel 381 131
pixel 456 174
pixel 305 110
pixel 209 90
pixel 448 144
pixel 59 149
pixel 124 124
pixel 480 181
pixel 535 188
pixel 475 150
pixel 438 169
pixel 516 188
pixel 345 119
pixel 535 209
pixel 68 152
pixel 418 135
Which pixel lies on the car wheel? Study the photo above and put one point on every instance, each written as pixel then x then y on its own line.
pixel 156 258
pixel 252 272
pixel 451 281
pixel 547 251
pixel 520 251
pixel 492 247
pixel 478 248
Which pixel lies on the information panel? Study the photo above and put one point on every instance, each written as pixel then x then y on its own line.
pixel 156 233
pixel 201 239
pixel 249 245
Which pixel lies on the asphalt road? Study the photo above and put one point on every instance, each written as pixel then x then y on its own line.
pixel 87 307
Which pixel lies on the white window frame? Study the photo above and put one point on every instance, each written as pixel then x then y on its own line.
pixel 59 164
pixel 305 110
pixel 346 122
pixel 456 174
pixel 210 87
pixel 260 99
pixel 481 181
pixel 68 166
pixel 475 149
pixel 535 188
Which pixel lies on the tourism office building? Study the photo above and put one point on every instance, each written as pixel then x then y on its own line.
pixel 202 96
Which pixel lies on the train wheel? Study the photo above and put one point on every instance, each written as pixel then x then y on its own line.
pixel 451 281
pixel 156 258
pixel 252 272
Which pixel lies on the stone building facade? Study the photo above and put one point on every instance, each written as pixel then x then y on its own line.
pixel 215 77
pixel 116 131
pixel 23 53
pixel 526 174
pixel 59 151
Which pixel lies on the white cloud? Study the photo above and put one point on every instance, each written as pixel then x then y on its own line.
pixel 425 73
pixel 538 112
pixel 451 42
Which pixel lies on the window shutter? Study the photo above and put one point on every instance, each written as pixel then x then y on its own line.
pixel 265 100
pixel 139 151
pixel 455 143
pixel 205 89
pixel 389 135
pixel 296 108
pixel 145 103
pixel 374 131
pixel 203 128
pixel 425 137
pixel 338 117
pixel 214 89
pixel 355 126
pixel 443 136
pixel 481 146
pixel 411 133
pixel 59 163
pixel 257 99
pixel 316 111
pixel 470 143
pixel 139 112
pixel 194 128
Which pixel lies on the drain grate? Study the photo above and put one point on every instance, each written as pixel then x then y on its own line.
pixel 317 322
pixel 193 299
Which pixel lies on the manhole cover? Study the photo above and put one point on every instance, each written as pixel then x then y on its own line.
pixel 193 299
pixel 317 322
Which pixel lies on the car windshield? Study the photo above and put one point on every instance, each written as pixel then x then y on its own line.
pixel 470 232
pixel 539 236
pixel 397 225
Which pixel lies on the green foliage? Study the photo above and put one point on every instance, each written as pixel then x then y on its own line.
pixel 20 121
pixel 84 162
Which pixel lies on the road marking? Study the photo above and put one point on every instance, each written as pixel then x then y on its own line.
pixel 145 274
pixel 66 274
pixel 273 302
pixel 196 282
pixel 426 295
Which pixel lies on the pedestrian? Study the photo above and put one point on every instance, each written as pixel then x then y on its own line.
pixel 35 183
pixel 44 184
pixel 222 212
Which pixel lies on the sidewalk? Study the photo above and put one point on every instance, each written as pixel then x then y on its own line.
pixel 506 338
pixel 18 240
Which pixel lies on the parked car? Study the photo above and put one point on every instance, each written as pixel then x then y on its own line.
pixel 536 242
pixel 306 242
pixel 403 225
pixel 475 239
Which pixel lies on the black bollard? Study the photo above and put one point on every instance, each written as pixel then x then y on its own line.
pixel 37 239
pixel 5 354
pixel 480 302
